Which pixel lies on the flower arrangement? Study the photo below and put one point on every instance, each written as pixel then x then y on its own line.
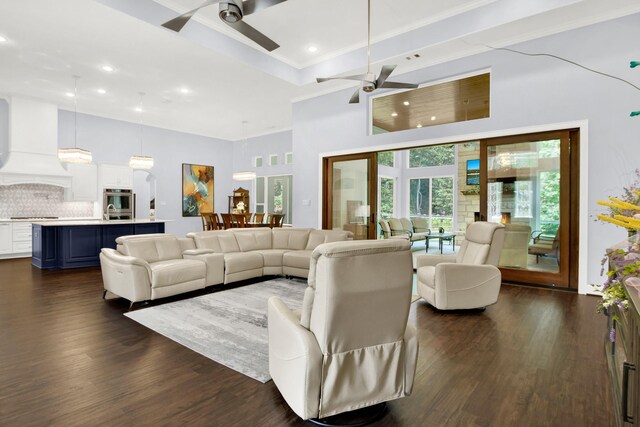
pixel 625 262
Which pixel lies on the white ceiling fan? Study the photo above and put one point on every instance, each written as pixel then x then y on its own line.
pixel 369 81
pixel 231 13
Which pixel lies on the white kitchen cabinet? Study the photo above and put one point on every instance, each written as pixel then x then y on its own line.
pixel 116 176
pixel 84 183
pixel 21 237
pixel 6 238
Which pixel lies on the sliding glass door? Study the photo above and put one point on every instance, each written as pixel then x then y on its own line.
pixel 526 185
pixel 350 194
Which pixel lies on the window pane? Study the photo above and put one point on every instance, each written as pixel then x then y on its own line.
pixel 260 190
pixel 419 197
pixel 386 197
pixel 441 155
pixel 442 203
pixel 279 196
pixel 385 158
pixel 258 162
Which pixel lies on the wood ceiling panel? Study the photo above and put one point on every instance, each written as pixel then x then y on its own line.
pixel 454 101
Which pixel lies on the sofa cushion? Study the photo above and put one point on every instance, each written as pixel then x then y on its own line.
pixel 235 262
pixel 297 259
pixel 253 239
pixel 290 238
pixel 272 257
pixel 318 237
pixel 173 272
pixel 427 275
pixel 216 240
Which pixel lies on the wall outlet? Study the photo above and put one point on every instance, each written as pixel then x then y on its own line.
pixel 306 202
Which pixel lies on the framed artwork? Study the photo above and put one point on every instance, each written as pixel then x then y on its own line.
pixel 197 189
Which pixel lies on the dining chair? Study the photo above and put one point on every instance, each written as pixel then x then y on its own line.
pixel 258 217
pixel 239 220
pixel 205 222
pixel 216 223
pixel 276 220
pixel 227 220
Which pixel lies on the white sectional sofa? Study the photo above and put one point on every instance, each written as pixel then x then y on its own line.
pixel 151 266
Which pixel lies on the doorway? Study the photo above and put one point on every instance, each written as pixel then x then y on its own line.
pixel 350 194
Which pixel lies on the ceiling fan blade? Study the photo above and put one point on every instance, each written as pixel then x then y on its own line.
pixel 252 6
pixel 355 98
pixel 177 23
pixel 398 85
pixel 255 35
pixel 359 77
pixel 384 73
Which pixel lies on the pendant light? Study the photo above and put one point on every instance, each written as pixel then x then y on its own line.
pixel 248 175
pixel 140 162
pixel 75 154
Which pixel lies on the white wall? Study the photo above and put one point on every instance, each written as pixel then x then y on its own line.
pixel 526 92
pixel 114 141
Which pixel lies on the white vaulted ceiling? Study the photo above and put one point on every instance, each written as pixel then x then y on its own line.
pixel 230 79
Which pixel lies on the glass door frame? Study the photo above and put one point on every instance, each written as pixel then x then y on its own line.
pixel 566 277
pixel 372 182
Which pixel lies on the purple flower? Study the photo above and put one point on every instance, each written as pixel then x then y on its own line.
pixel 612 335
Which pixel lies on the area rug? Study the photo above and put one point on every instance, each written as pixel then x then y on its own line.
pixel 229 326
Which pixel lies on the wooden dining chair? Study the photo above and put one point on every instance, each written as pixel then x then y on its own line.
pixel 239 220
pixel 276 220
pixel 216 223
pixel 227 220
pixel 247 216
pixel 258 217
pixel 205 222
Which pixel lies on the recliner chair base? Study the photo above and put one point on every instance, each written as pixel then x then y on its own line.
pixel 357 418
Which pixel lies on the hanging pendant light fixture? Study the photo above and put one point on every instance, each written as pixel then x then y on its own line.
pixel 248 175
pixel 140 162
pixel 75 154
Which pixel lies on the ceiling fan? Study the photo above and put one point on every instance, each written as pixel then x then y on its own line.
pixel 369 81
pixel 231 12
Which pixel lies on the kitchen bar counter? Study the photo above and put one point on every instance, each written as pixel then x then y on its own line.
pixel 73 244
pixel 57 223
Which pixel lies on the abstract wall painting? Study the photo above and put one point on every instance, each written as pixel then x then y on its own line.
pixel 197 189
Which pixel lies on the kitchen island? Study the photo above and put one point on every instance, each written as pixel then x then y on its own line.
pixel 72 244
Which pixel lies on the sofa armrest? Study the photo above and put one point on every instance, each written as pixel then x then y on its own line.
pixel 433 260
pixel 295 360
pixel 466 285
pixel 214 262
pixel 126 276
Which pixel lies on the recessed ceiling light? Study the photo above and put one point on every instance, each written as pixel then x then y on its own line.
pixel 184 90
pixel 69 94
pixel 312 49
pixel 419 125
pixel 433 118
pixel 101 91
pixel 3 39
pixel 406 103
pixel 107 68
pixel 394 114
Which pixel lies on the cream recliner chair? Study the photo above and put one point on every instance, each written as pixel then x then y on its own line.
pixel 470 279
pixel 351 347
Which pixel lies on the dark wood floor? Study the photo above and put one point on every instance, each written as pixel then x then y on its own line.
pixel 69 358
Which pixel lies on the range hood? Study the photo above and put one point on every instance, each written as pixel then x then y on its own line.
pixel 33 145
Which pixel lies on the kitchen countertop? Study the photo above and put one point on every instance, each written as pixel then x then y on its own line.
pixel 57 223
pixel 48 220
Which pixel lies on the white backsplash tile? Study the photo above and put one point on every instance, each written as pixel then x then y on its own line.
pixel 39 200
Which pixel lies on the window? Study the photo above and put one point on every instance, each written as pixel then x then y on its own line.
pixel 386 197
pixel 259 194
pixel 274 194
pixel 273 160
pixel 288 158
pixel 432 198
pixel 524 199
pixel 257 161
pixel 459 100
pixel 386 158
pixel 439 155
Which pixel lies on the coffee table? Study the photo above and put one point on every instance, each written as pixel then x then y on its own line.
pixel 440 237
